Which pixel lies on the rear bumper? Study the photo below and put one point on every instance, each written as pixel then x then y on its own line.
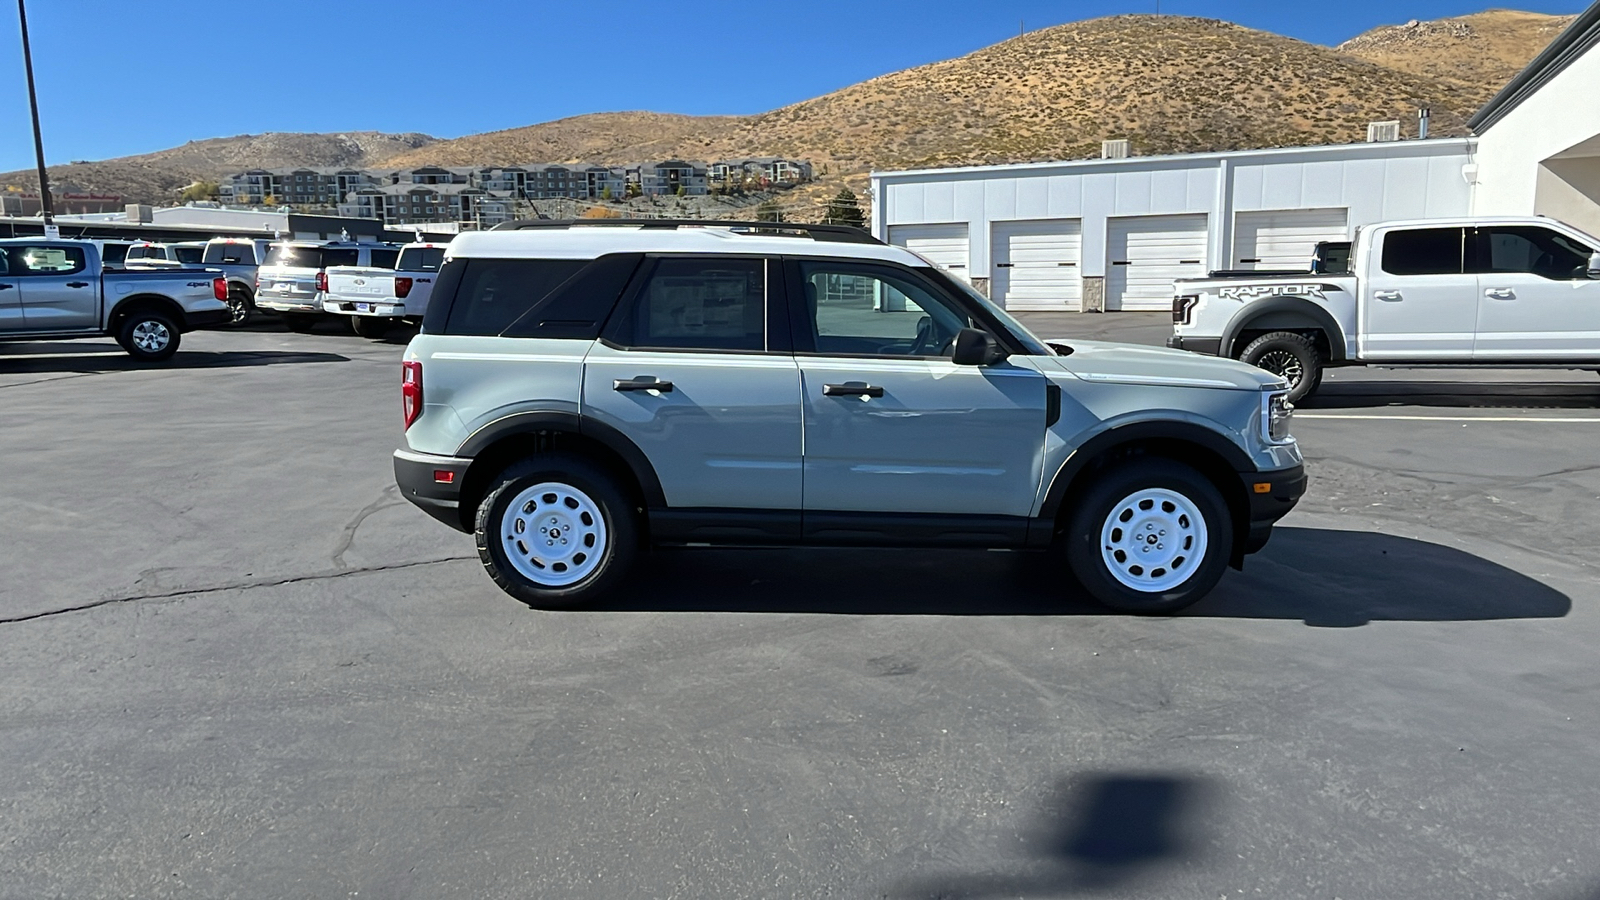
pixel 288 305
pixel 419 478
pixel 385 308
pixel 1283 489
pixel 209 318
pixel 1208 346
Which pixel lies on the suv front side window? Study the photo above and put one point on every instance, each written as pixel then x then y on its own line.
pixel 1528 249
pixel 698 303
pixel 854 309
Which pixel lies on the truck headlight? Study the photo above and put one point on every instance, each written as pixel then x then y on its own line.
pixel 1276 410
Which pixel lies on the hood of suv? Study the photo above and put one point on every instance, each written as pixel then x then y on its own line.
pixel 1138 364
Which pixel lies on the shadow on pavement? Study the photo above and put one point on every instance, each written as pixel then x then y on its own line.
pixel 45 357
pixel 1322 577
pixel 1465 395
pixel 1094 832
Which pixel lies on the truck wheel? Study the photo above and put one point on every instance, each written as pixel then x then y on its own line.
pixel 1150 536
pixel 370 326
pixel 299 323
pixel 1289 355
pixel 148 336
pixel 240 308
pixel 555 531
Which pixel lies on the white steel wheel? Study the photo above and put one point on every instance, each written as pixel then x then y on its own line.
pixel 151 336
pixel 1153 540
pixel 553 534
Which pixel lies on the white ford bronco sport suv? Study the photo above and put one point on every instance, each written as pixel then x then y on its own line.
pixel 580 390
pixel 1435 292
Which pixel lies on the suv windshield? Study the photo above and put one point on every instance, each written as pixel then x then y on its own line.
pixel 290 256
pixel 421 259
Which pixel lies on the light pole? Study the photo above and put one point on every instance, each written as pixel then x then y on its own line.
pixel 50 229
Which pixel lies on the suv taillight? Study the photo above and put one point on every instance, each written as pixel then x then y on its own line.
pixel 402 286
pixel 411 390
pixel 322 281
pixel 219 288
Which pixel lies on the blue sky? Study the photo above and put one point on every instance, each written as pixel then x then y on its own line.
pixel 118 77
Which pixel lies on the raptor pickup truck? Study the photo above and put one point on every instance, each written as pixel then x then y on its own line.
pixel 1439 292
pixel 58 290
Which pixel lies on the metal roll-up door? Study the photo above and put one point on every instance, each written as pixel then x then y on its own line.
pixel 947 246
pixel 1284 239
pixel 1147 254
pixel 1037 265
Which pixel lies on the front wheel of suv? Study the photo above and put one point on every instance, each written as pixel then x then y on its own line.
pixel 556 531
pixel 1150 536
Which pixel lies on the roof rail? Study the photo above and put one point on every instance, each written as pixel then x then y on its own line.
pixel 847 234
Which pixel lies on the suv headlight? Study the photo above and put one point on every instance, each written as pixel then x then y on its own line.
pixel 1276 410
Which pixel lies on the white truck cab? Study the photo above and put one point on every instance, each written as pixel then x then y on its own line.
pixel 1471 291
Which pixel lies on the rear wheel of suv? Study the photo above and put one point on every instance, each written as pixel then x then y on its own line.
pixel 556 531
pixel 1150 536
pixel 299 323
pixel 1290 356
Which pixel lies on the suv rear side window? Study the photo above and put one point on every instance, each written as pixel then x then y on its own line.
pixel 695 303
pixel 1424 251
pixel 1531 250
pixel 493 293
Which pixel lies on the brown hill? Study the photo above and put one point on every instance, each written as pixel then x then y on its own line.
pixel 1477 53
pixel 157 177
pixel 1168 83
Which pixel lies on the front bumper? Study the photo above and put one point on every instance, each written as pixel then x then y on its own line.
pixel 419 477
pixel 1208 346
pixel 1272 494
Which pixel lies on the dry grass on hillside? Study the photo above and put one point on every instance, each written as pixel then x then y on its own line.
pixel 1477 53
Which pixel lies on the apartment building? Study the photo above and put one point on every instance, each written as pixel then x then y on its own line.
pixel 764 169
pixel 410 203
pixel 668 175
pixel 306 186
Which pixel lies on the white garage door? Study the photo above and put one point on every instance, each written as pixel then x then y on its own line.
pixel 1285 239
pixel 1147 254
pixel 944 245
pixel 1036 264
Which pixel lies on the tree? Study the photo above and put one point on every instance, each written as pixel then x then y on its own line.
pixel 201 190
pixel 845 209
pixel 769 211
pixel 631 190
pixel 680 191
pixel 605 193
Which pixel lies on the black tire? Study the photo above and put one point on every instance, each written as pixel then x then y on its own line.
pixel 1090 523
pixel 370 326
pixel 1291 356
pixel 300 323
pixel 241 307
pixel 149 335
pixel 620 529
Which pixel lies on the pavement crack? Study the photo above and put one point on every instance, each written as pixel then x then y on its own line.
pixel 347 535
pixel 235 586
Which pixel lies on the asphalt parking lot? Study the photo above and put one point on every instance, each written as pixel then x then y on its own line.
pixel 234 663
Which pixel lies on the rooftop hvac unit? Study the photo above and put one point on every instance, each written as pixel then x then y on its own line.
pixel 1114 150
pixel 1378 132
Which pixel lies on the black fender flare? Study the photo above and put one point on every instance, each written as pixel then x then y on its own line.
pixel 1093 448
pixel 159 301
pixel 1287 313
pixel 532 421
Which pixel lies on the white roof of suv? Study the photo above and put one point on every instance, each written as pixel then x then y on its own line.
pixel 586 241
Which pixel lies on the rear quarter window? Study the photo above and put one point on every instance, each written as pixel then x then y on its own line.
pixel 493 293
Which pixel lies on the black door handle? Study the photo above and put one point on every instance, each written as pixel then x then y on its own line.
pixel 77 284
pixel 6 287
pixel 642 383
pixel 852 389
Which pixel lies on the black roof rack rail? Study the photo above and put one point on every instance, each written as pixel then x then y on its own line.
pixel 847 234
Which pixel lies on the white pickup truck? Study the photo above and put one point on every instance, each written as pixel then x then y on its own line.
pixel 375 299
pixel 58 290
pixel 1521 292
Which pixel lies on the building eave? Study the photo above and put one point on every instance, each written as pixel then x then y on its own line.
pixel 1569 45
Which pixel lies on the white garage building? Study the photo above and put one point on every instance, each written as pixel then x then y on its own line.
pixel 1114 233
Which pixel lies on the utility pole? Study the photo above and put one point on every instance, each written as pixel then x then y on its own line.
pixel 50 229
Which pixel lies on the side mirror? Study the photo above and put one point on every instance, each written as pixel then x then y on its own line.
pixel 1594 265
pixel 976 348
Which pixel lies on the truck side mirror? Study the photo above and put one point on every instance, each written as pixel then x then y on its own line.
pixel 974 347
pixel 1594 265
